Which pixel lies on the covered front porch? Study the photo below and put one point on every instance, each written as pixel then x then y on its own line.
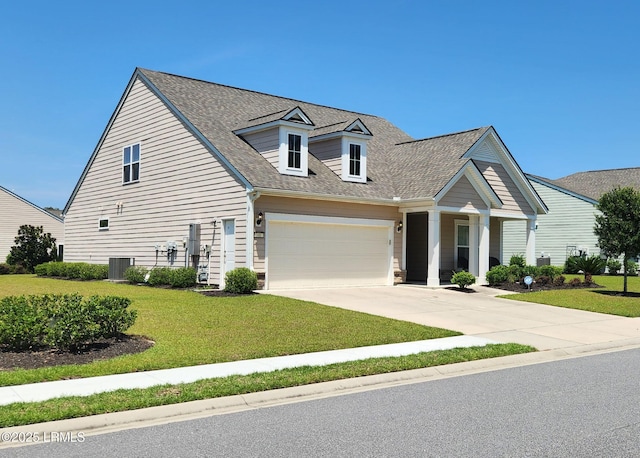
pixel 437 243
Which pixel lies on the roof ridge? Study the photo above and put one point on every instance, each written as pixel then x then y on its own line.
pixel 601 170
pixel 442 136
pixel 257 92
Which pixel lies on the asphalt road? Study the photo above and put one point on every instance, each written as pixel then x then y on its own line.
pixel 587 406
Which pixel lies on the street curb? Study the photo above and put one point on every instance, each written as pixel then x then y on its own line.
pixel 111 422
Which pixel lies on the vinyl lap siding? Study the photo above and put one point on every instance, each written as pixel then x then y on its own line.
pixel 15 212
pixel 180 183
pixel 505 188
pixel 266 143
pixel 569 223
pixel 273 204
pixel 463 195
pixel 329 152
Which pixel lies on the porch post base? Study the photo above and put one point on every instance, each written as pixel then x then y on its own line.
pixel 433 282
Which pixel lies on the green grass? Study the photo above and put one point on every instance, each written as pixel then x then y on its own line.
pixel 121 400
pixel 191 329
pixel 608 299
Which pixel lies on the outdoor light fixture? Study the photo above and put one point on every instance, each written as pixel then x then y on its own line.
pixel 259 219
pixel 400 226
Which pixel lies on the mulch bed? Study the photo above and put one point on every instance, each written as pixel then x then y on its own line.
pixel 100 350
pixel 522 288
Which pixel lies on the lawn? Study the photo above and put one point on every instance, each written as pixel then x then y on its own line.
pixel 191 329
pixel 607 299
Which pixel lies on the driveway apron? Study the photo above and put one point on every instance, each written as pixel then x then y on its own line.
pixel 480 314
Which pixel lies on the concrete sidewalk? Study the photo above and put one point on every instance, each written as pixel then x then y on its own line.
pixel 86 386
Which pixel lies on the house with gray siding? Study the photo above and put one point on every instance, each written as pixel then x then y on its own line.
pixel 193 173
pixel 567 229
pixel 15 212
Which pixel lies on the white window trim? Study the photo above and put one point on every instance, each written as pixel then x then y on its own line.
pixel 283 153
pixel 100 228
pixel 458 223
pixel 139 161
pixel 346 176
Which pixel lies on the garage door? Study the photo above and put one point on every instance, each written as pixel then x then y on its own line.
pixel 328 252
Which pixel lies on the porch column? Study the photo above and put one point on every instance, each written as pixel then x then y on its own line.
pixel 433 249
pixel 531 242
pixel 483 251
pixel 473 245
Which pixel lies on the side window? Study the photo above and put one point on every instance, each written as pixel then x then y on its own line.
pixel 131 163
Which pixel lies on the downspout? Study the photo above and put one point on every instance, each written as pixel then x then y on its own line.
pixel 252 196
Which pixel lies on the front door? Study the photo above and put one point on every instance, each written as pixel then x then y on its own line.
pixel 229 247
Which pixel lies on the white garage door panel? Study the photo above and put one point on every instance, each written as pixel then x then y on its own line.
pixel 302 255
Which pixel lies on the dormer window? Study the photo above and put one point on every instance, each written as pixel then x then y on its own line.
pixel 295 148
pixel 354 159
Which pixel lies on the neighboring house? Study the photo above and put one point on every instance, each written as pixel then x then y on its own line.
pixel 15 212
pixel 189 172
pixel 567 229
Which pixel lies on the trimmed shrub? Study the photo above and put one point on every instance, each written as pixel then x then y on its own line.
pixel 463 279
pixel 72 270
pixel 559 280
pixel 41 269
pixel 550 271
pixel 614 266
pixel 574 282
pixel 93 271
pixel 497 275
pixel 136 274
pixel 532 271
pixel 241 280
pixel 5 269
pixel 518 260
pixel 160 276
pixel 631 268
pixel 543 280
pixel 570 266
pixel 183 277
pixel 65 322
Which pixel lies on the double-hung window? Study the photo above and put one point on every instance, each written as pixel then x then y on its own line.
pixel 131 163
pixel 295 151
pixel 354 159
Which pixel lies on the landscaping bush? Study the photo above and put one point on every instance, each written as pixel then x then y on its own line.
pixel 543 280
pixel 631 268
pixel 41 269
pixel 19 269
pixel 136 274
pixel 590 266
pixel 497 275
pixel 570 265
pixel 94 271
pixel 463 279
pixel 5 269
pixel 72 270
pixel 183 277
pixel 518 260
pixel 160 276
pixel 241 280
pixel 574 282
pixel 550 271
pixel 65 322
pixel 559 280
pixel 614 266
pixel 532 271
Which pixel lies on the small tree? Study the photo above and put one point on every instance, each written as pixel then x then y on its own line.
pixel 618 227
pixel 32 247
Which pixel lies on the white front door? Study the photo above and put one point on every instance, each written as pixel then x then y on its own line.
pixel 228 247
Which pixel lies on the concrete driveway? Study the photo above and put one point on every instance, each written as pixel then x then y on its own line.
pixel 482 314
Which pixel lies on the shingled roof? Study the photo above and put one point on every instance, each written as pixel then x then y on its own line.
pixel 397 164
pixel 595 183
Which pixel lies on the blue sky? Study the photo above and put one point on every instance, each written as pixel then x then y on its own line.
pixel 559 80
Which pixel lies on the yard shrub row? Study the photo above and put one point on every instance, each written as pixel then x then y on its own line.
pixel 6 269
pixel 62 321
pixel 240 280
pixel 73 270
pixel 181 277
